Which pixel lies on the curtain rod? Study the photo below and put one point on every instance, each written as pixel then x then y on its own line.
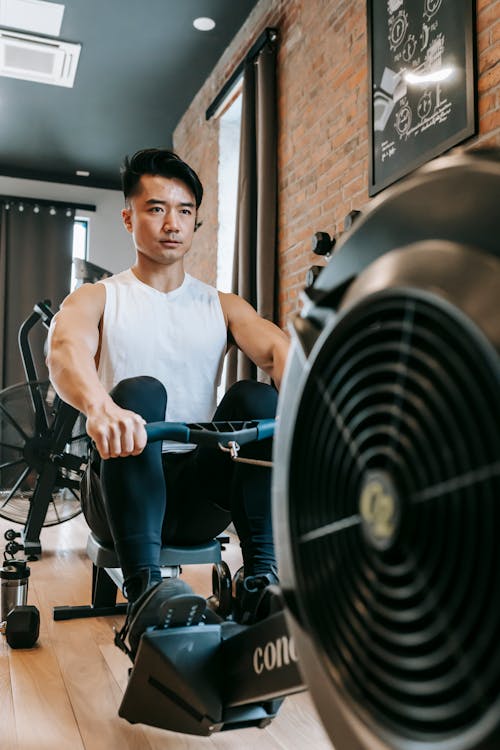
pixel 268 35
pixel 45 202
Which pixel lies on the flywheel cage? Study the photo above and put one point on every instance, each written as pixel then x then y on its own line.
pixel 405 390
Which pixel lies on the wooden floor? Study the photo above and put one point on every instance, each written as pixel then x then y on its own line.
pixel 64 693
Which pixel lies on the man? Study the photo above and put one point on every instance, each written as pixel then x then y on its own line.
pixel 148 344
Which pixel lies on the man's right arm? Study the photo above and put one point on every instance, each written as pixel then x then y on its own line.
pixel 73 347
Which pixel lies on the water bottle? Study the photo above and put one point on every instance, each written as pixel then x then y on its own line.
pixel 13 586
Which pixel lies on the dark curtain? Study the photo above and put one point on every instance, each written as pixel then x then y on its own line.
pixel 254 269
pixel 35 264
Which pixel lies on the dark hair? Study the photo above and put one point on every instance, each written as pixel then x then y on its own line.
pixel 158 161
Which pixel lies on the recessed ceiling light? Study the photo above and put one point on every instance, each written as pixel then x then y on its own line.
pixel 204 24
pixel 82 173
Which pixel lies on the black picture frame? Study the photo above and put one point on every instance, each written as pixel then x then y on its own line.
pixel 412 116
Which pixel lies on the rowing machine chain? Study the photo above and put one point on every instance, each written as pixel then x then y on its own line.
pixel 233 448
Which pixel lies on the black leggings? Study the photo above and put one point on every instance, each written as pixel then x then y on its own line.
pixel 183 498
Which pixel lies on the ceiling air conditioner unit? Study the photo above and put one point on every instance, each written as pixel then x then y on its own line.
pixel 39 59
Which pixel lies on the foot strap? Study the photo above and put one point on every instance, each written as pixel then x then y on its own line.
pixel 178 611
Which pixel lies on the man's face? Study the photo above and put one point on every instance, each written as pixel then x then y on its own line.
pixel 161 217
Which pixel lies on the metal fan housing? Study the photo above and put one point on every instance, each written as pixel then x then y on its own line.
pixel 387 469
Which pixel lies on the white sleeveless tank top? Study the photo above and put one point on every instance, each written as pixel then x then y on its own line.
pixel 178 337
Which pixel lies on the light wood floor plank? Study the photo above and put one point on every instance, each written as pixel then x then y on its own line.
pixel 43 712
pixel 93 691
pixel 7 717
pixel 298 726
pixel 91 688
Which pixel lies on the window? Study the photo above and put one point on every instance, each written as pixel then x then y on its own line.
pixel 229 157
pixel 80 244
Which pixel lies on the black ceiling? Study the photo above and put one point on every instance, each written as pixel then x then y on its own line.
pixel 141 64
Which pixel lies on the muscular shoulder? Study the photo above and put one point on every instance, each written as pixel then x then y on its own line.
pixel 77 320
pixel 238 315
pixel 87 302
pixel 234 306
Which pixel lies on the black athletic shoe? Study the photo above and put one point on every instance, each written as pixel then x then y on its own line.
pixel 170 603
pixel 252 599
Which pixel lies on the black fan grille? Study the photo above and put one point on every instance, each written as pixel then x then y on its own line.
pixel 405 387
pixel 19 424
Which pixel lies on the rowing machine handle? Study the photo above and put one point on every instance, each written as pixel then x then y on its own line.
pixel 209 434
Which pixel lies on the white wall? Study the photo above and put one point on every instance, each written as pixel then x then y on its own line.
pixel 110 245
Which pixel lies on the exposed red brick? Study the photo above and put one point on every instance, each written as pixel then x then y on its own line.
pixel 323 132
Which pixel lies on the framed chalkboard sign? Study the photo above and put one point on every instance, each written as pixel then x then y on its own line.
pixel 422 84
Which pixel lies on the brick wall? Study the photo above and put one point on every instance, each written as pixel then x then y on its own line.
pixel 323 140
pixel 488 56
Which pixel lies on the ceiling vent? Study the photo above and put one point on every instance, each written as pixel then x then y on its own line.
pixel 40 59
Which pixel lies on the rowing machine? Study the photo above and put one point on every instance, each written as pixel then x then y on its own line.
pixel 214 675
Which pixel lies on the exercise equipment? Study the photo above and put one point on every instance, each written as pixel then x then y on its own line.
pixel 385 495
pixel 43 451
pixel 385 491
pixel 106 574
pixel 22 626
pixel 19 622
pixel 387 469
pixel 190 679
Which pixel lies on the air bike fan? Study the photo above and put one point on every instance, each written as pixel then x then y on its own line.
pixel 387 470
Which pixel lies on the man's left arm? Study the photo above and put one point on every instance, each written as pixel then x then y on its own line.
pixel 262 341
